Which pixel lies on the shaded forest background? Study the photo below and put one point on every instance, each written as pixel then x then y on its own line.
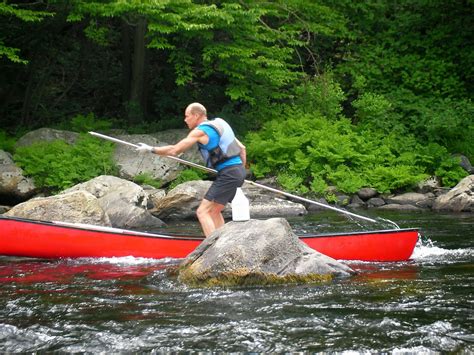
pixel 346 93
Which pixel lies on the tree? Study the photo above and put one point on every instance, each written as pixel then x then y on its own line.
pixel 147 59
pixel 414 59
pixel 26 15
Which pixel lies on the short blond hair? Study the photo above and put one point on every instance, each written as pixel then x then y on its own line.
pixel 197 109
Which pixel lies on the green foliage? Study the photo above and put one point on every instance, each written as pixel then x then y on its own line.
pixel 85 123
pixel 402 68
pixel 11 53
pixel 248 47
pixel 372 108
pixel 447 122
pixel 321 94
pixel 97 34
pixel 58 165
pixel 7 143
pixel 25 15
pixel 310 152
pixel 412 69
pixel 292 182
pixel 188 174
pixel 450 172
pixel 147 179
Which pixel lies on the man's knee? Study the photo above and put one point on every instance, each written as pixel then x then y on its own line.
pixel 208 208
pixel 202 211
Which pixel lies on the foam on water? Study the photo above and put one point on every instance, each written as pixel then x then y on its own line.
pixel 426 250
pixel 124 260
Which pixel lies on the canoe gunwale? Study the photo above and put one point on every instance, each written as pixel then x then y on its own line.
pixel 132 233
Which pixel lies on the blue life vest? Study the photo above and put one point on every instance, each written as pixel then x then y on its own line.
pixel 222 149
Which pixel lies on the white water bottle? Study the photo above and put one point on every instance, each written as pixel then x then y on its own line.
pixel 240 206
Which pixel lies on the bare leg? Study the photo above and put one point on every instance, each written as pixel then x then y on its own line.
pixel 210 216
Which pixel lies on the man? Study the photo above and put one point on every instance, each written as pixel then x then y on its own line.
pixel 222 151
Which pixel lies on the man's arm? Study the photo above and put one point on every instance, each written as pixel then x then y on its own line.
pixel 196 135
pixel 243 152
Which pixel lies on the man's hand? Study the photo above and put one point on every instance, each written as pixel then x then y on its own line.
pixel 142 148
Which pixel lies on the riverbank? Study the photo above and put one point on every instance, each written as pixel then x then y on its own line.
pixel 130 205
pixel 115 202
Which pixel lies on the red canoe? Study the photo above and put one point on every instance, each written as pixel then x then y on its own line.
pixel 40 239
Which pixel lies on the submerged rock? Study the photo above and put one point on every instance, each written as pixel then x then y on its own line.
pixel 257 252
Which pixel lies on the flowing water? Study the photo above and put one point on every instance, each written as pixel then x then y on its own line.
pixel 129 304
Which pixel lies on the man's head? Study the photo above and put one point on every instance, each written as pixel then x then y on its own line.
pixel 195 114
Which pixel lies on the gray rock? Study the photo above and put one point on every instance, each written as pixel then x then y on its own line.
pixel 343 200
pixel 398 207
pixel 257 252
pixel 459 199
pixel 6 158
pixel 184 199
pixel 46 135
pixel 375 202
pixel 314 207
pixel 356 202
pixel 170 136
pixel 411 198
pixel 4 209
pixel 428 202
pixel 74 207
pixel 264 203
pixel 465 163
pixel 429 185
pixel 272 207
pixel 124 202
pixel 131 163
pixel 153 196
pixel 14 186
pixel 367 193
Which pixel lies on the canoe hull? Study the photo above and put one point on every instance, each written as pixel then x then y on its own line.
pixel 52 240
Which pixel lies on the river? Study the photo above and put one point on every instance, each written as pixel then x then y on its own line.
pixel 134 305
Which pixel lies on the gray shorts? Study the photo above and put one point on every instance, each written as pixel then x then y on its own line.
pixel 226 183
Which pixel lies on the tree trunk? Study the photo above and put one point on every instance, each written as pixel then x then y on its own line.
pixel 27 99
pixel 137 87
pixel 126 61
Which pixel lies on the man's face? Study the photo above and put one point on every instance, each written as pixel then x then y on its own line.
pixel 190 119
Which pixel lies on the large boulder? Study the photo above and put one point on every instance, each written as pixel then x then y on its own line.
pixel 14 186
pixel 74 207
pixel 124 202
pixel 131 163
pixel 183 200
pixel 257 252
pixel 46 135
pixel 458 199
